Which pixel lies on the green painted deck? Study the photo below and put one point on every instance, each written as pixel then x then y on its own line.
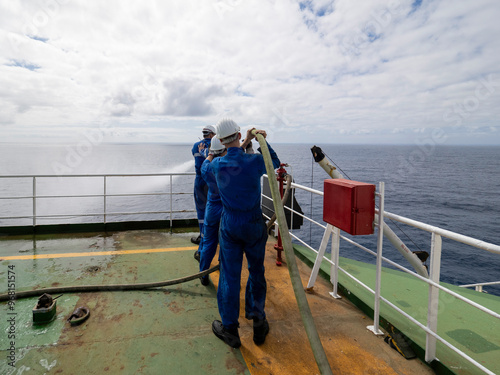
pixel 151 332
pixel 475 333
pixel 168 330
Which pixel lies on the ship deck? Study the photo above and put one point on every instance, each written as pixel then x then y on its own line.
pixel 473 332
pixel 168 330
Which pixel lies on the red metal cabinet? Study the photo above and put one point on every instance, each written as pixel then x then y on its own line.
pixel 349 205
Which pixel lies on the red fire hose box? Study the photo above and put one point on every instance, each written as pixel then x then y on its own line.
pixel 349 205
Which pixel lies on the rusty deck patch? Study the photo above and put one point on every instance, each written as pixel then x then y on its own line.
pixel 349 346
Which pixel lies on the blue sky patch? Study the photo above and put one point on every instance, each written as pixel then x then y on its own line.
pixel 39 38
pixel 325 11
pixel 415 5
pixel 240 92
pixel 305 5
pixel 321 12
pixel 24 64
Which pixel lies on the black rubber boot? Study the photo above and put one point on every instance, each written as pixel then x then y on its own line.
pixel 229 336
pixel 260 331
pixel 205 281
pixel 196 240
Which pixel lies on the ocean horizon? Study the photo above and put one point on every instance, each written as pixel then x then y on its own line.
pixel 452 187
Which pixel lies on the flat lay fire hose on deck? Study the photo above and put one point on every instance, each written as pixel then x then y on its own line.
pixel 106 288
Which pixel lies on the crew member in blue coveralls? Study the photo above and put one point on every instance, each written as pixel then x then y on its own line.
pixel 242 230
pixel 200 186
pixel 213 211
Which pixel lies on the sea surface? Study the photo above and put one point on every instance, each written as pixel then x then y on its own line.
pixel 452 187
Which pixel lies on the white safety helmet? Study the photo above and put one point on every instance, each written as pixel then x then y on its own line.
pixel 216 146
pixel 227 130
pixel 208 129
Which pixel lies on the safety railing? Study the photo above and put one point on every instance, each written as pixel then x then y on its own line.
pixel 478 287
pixel 103 196
pixel 430 328
pixel 435 288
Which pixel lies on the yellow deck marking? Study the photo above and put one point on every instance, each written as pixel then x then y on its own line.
pixel 97 253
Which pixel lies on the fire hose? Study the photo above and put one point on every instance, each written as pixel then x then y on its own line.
pixel 300 295
pixel 106 288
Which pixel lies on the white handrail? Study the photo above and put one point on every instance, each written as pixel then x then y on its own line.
pixel 434 285
pixel 105 214
pixel 436 231
pixel 480 284
pixel 478 287
pixel 101 175
pixel 446 233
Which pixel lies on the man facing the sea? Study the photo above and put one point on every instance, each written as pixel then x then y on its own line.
pixel 242 230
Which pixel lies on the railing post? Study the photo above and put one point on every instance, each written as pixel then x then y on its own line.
pixel 432 308
pixel 34 201
pixel 334 269
pixel 171 204
pixel 104 196
pixel 380 240
pixel 319 256
pixel 292 191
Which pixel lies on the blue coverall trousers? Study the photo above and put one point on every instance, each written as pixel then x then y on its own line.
pixel 241 232
pixel 210 234
pixel 200 199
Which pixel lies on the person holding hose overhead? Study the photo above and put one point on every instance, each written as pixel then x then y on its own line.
pixel 242 231
pixel 213 210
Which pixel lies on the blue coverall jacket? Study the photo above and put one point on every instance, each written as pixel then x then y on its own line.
pixel 242 230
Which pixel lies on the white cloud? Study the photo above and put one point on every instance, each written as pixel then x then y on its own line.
pixel 302 70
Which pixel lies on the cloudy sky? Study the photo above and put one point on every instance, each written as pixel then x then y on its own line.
pixel 317 71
